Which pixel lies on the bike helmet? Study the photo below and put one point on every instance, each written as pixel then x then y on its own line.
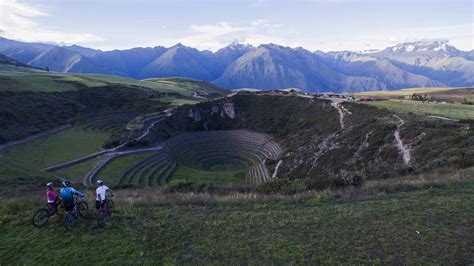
pixel 100 182
pixel 66 183
pixel 49 184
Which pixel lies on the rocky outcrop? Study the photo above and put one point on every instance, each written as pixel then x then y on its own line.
pixel 229 110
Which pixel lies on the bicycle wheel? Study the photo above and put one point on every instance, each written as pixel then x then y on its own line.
pixel 83 209
pixel 40 218
pixel 111 206
pixel 69 220
pixel 101 219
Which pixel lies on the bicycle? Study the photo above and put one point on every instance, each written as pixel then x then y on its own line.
pixel 41 216
pixel 80 208
pixel 105 211
pixel 110 205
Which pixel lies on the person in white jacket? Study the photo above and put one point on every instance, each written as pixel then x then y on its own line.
pixel 101 194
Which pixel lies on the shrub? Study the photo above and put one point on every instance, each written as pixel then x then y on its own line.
pixel 195 187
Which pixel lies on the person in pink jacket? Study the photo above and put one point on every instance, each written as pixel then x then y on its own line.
pixel 52 197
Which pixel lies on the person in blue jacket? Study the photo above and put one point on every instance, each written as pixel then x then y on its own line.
pixel 67 194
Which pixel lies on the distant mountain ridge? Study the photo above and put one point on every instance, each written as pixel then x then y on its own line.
pixel 268 66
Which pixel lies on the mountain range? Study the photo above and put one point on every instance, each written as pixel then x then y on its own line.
pixel 268 66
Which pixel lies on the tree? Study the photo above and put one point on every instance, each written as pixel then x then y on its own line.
pixel 419 97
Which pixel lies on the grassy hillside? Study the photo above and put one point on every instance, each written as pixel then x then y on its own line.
pixel 17 79
pixel 25 113
pixel 417 220
pixel 187 86
pixel 444 102
pixel 6 62
pixel 77 172
pixel 29 79
pixel 34 101
pixel 318 153
pixel 185 174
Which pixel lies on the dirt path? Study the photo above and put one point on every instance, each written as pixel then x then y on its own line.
pixel 362 146
pixel 443 118
pixel 276 169
pixel 147 130
pixel 403 149
pixel 340 108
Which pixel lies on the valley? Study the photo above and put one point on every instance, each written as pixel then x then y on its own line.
pixel 182 154
pixel 239 132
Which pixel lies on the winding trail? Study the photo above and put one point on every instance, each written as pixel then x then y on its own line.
pixel 403 149
pixel 147 131
pixel 276 169
pixel 341 109
pixel 443 118
pixel 362 146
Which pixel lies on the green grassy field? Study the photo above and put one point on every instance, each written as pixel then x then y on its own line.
pixel 32 81
pixel 25 79
pixel 112 172
pixel 186 86
pixel 413 224
pixel 178 101
pixel 453 111
pixel 61 147
pixel 405 92
pixel 77 172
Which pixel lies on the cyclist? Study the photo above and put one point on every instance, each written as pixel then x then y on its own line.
pixel 67 194
pixel 52 197
pixel 101 194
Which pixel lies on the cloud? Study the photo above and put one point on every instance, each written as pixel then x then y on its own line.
pixel 450 32
pixel 17 21
pixel 215 36
pixel 459 35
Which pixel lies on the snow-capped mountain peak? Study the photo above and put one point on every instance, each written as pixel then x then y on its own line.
pixel 239 46
pixel 436 46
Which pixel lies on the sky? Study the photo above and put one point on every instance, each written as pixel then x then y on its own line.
pixel 327 25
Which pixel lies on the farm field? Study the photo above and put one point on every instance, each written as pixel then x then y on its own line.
pixel 447 110
pixel 458 95
pixel 33 81
pixel 25 79
pixel 368 225
pixel 185 86
pixel 46 151
pixel 179 101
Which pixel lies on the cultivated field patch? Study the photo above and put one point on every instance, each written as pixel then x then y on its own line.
pixel 447 110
